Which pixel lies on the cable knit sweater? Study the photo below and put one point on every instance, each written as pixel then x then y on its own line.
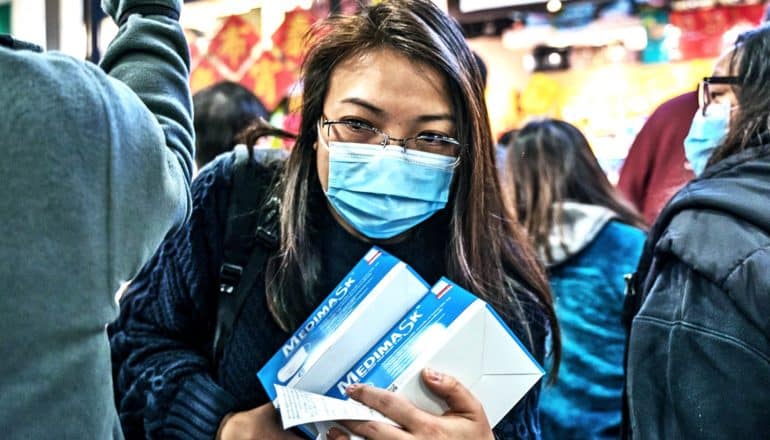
pixel 166 385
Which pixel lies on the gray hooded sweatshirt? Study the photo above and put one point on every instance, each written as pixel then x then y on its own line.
pixel 579 226
pixel 95 172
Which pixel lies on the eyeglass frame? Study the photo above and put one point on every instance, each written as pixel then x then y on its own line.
pixel 704 97
pixel 386 137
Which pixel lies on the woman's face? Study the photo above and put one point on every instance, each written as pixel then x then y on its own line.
pixel 387 91
pixel 723 93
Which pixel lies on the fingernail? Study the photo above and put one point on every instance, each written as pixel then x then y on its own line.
pixel 333 433
pixel 433 375
pixel 352 389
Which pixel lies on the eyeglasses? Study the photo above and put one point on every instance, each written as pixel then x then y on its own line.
pixel 704 94
pixel 359 132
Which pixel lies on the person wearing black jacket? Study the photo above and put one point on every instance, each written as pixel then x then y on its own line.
pixel 699 351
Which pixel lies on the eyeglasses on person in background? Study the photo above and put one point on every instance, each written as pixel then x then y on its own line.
pixel 706 92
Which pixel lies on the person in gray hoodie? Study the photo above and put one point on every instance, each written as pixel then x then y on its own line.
pixel 96 171
pixel 589 238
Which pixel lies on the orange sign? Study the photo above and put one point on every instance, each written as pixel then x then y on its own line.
pixel 268 79
pixel 233 44
pixel 204 75
pixel 290 36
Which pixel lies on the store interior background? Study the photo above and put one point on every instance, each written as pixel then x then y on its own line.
pixel 603 65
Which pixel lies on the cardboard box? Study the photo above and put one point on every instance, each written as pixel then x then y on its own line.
pixel 452 331
pixel 363 306
pixel 383 325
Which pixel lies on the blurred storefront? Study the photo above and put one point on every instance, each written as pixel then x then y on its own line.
pixel 603 65
pixel 5 16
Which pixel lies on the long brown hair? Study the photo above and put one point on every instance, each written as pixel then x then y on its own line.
pixel 487 252
pixel 550 161
pixel 750 124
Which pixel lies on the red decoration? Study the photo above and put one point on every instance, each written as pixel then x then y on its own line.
pixel 233 44
pixel 702 29
pixel 204 75
pixel 268 79
pixel 290 36
pixel 195 54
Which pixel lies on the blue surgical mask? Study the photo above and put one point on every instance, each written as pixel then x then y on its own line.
pixel 384 191
pixel 706 132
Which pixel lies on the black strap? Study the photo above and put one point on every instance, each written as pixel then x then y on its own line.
pixel 251 236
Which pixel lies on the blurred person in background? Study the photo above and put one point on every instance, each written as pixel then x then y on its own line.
pixel 699 349
pixel 222 112
pixel 96 170
pixel 394 149
pixel 656 168
pixel 589 238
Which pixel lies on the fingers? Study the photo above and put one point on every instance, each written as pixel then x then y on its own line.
pixel 457 397
pixel 336 434
pixel 370 431
pixel 391 405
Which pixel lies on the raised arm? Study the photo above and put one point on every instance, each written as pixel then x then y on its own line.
pixel 148 108
pixel 162 338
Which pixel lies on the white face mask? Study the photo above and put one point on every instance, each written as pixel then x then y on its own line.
pixel 706 133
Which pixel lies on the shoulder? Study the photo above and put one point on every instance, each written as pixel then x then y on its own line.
pixel 711 242
pixel 43 87
pixel 617 244
pixel 718 256
pixel 681 106
pixel 622 234
pixel 215 179
pixel 215 185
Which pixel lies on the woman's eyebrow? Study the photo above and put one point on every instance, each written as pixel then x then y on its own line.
pixel 436 117
pixel 380 112
pixel 365 104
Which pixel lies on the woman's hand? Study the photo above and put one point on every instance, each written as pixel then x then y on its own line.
pixel 260 423
pixel 465 418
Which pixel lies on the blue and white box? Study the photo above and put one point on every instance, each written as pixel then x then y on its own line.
pixel 452 331
pixel 383 324
pixel 376 293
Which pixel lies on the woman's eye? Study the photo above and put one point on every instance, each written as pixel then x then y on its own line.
pixel 432 138
pixel 356 125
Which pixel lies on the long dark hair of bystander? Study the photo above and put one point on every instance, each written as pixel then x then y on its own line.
pixel 550 161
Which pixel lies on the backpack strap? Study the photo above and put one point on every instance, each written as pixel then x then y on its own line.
pixel 251 237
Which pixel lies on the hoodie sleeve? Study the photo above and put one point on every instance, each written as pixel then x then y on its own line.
pixel 162 339
pixel 148 109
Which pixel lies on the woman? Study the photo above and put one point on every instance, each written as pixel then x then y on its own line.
pixel 589 239
pixel 393 90
pixel 699 349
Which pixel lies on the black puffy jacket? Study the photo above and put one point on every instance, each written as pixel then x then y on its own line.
pixel 699 351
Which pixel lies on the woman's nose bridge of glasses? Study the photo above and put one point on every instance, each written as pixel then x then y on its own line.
pixel 390 140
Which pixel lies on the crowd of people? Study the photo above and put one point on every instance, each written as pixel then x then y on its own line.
pixel 646 303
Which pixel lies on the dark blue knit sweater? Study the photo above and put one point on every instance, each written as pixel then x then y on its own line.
pixel 165 383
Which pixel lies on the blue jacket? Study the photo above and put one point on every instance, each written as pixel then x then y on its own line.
pixel 166 384
pixel 592 253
